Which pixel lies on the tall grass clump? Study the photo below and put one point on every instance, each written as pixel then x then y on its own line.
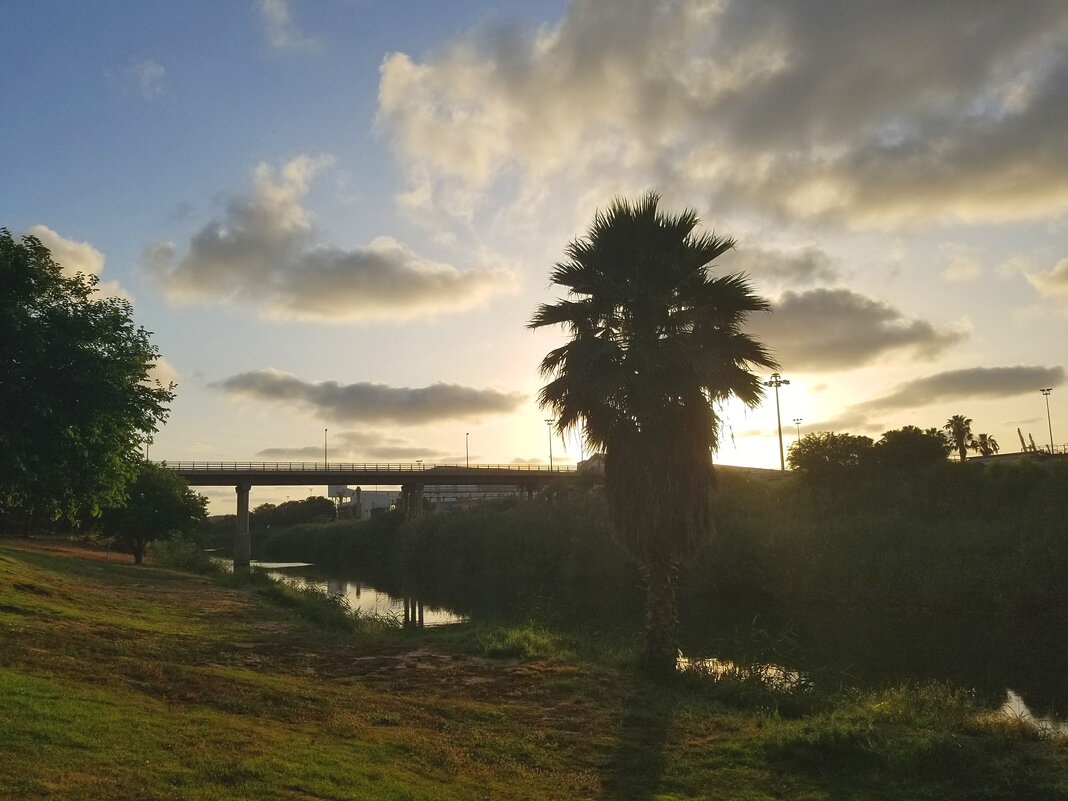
pixel 182 553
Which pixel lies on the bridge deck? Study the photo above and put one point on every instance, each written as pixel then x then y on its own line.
pixel 290 473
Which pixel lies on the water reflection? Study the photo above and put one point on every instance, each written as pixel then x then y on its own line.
pixel 363 597
pixel 836 646
pixel 1014 708
pixel 775 676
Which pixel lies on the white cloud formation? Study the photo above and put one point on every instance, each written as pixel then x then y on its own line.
pixel 73 256
pixel 164 372
pixel 146 78
pixel 282 31
pixel 1054 282
pixel 77 257
pixel 367 402
pixel 263 251
pixel 854 111
pixel 834 329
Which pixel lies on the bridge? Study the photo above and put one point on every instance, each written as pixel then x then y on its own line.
pixel 411 478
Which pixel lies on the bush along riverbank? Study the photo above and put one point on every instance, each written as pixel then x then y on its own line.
pixel 957 572
pixel 120 682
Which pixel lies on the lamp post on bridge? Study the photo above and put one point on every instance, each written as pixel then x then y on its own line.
pixel 324 447
pixel 467 447
pixel 549 423
pixel 777 381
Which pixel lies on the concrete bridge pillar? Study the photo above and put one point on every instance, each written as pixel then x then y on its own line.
pixel 242 537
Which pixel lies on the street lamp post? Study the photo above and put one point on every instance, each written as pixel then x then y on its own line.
pixel 797 422
pixel 1045 391
pixel 778 381
pixel 467 447
pixel 324 446
pixel 549 423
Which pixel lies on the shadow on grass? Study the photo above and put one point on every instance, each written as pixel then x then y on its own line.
pixel 636 768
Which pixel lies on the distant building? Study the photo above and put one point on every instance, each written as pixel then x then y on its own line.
pixel 361 504
pixel 594 465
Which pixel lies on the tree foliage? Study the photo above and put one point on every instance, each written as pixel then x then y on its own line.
pixel 825 455
pixel 159 504
pixel 959 430
pixel 656 343
pixel 314 509
pixel 825 458
pixel 77 402
pixel 909 448
pixel 985 445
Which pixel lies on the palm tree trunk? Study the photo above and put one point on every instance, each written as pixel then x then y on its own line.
pixel 661 616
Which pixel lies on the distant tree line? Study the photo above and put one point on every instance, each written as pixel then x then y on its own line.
pixel 271 517
pixel 823 455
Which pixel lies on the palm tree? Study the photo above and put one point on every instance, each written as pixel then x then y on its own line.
pixel 959 429
pixel 656 343
pixel 986 445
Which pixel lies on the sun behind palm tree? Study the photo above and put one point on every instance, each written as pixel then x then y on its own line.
pixel 656 343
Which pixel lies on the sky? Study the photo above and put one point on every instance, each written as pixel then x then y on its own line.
pixel 338 216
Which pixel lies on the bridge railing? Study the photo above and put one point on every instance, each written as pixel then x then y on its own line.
pixel 353 467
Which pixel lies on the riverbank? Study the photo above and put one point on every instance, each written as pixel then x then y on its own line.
pixel 119 681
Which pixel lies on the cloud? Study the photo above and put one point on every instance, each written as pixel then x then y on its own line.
pixel 146 78
pixel 969 384
pixel 1053 283
pixel 281 31
pixel 376 403
pixel 962 263
pixel 264 252
pixel 852 112
pixel 77 257
pixel 834 329
pixel 797 267
pixel 358 447
pixel 973 383
pixel 163 371
pixel 73 256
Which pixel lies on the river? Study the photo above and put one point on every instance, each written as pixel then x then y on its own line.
pixel 844 648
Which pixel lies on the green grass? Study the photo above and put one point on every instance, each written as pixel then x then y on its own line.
pixel 148 683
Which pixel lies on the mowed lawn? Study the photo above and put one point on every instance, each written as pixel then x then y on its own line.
pixel 119 682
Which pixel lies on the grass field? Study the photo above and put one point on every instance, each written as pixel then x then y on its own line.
pixel 121 682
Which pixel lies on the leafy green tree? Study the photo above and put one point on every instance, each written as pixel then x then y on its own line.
pixel 77 403
pixel 824 456
pixel 656 343
pixel 159 505
pixel 985 444
pixel 959 429
pixel 909 448
pixel 314 509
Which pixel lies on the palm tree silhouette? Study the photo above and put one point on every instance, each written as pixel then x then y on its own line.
pixel 985 445
pixel 959 429
pixel 656 343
